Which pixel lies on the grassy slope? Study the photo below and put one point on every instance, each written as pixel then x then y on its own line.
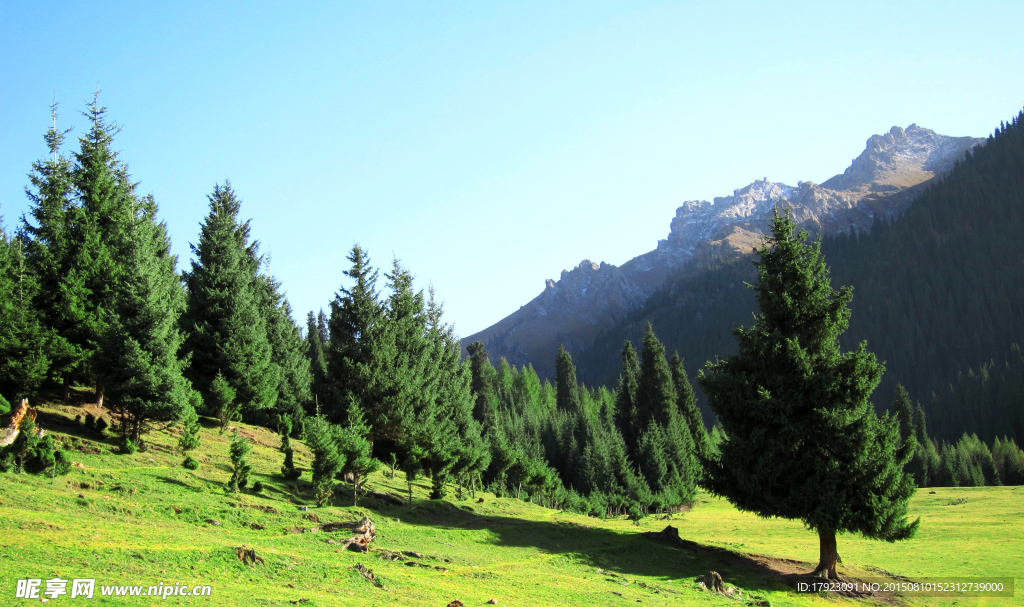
pixel 125 530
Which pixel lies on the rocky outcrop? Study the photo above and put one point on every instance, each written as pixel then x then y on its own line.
pixel 573 309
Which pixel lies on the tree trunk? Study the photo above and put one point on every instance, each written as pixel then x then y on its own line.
pixel 67 391
pixel 410 493
pixel 828 556
pixel 355 491
pixel 99 394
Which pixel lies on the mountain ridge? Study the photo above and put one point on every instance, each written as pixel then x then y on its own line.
pixel 571 311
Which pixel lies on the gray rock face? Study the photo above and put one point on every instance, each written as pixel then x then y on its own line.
pixel 573 309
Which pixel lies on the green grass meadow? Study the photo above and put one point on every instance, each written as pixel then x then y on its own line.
pixel 142 519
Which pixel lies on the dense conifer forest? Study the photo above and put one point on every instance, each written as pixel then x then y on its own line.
pixel 92 297
pixel 937 295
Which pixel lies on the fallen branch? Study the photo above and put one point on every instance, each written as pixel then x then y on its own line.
pixel 368 574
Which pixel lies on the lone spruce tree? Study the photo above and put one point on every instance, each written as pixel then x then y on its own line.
pixel 803 441
pixel 226 331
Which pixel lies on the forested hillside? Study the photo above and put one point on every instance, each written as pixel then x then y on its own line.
pixel 937 295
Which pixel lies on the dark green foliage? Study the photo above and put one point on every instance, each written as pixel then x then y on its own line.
pixel 660 427
pixel 317 339
pixel 128 446
pixel 288 470
pixel 137 362
pixel 687 402
pixel 1009 461
pixel 320 437
pixel 50 250
pixel 90 421
pixel 23 361
pixel 224 322
pixel 353 328
pixel 804 443
pixel 289 363
pixel 483 383
pixel 567 396
pixel 257 487
pixel 412 466
pixel 903 411
pixel 354 450
pixel 239 451
pixel 190 463
pixel 222 399
pixel 33 454
pixel 397 364
pixel 84 219
pixel 101 426
pixel 189 438
pixel 626 414
pixel 939 295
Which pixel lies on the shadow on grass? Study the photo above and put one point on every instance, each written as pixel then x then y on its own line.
pixel 623 553
pixel 51 420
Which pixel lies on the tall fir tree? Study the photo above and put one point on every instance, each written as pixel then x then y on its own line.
pixel 482 386
pixel 355 314
pixel 82 211
pixel 101 226
pixel 137 361
pixel 687 402
pixel 625 400
pixel 566 389
pixel 288 362
pixel 317 339
pixel 226 331
pixel 803 440
pixel 658 413
pixel 23 361
pixel 49 255
pixel 903 411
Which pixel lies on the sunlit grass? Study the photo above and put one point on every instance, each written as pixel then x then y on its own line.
pixel 144 520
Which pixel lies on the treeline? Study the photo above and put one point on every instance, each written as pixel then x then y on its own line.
pixel 628 451
pixel 968 462
pixel 92 296
pixel 938 296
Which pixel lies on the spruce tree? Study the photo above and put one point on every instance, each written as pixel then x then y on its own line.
pixel 83 211
pixel 137 361
pixel 317 339
pixel 23 361
pixel 687 402
pixel 226 330
pixel 656 407
pixel 287 351
pixel 223 400
pixel 355 314
pixel 241 469
pixel 803 440
pixel 354 450
pixel 566 389
pixel 321 438
pixel 482 386
pixel 903 411
pixel 49 254
pixel 626 415
pixel 189 439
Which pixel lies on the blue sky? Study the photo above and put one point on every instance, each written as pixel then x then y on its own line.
pixel 487 145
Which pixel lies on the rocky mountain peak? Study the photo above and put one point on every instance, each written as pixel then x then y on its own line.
pixel 901 158
pixel 571 310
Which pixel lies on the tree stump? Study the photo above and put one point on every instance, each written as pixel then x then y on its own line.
pixel 712 581
pixel 248 556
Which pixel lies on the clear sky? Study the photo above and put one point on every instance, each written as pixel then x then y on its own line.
pixel 487 145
